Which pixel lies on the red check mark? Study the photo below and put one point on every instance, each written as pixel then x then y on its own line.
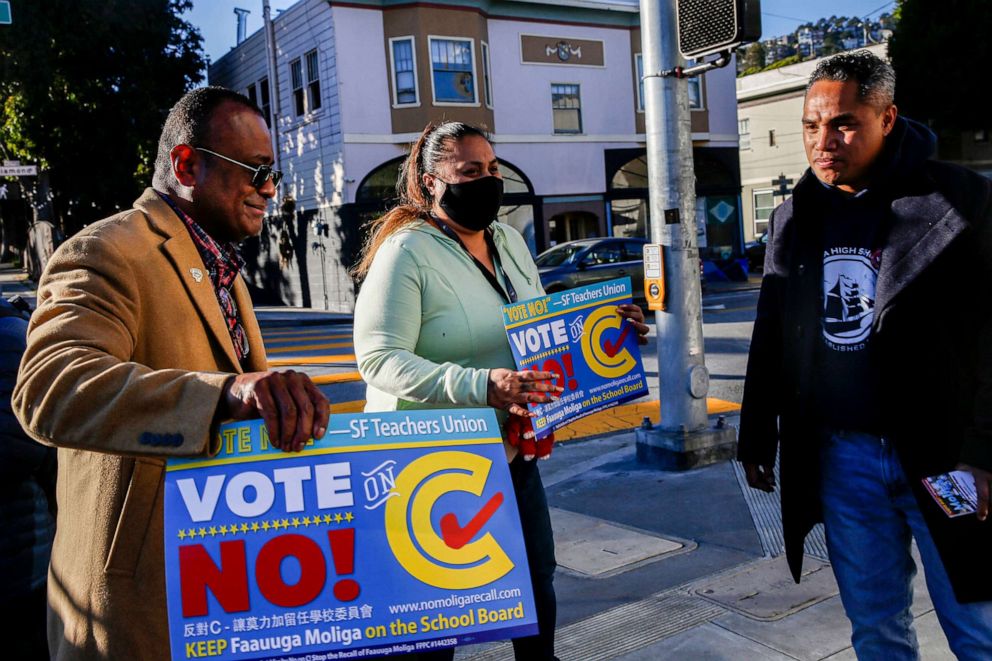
pixel 455 536
pixel 613 348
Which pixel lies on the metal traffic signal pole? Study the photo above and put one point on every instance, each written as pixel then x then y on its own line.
pixel 682 439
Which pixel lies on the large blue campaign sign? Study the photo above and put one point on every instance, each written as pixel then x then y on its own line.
pixel 396 532
pixel 578 334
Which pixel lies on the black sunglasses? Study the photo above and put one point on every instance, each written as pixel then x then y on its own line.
pixel 259 175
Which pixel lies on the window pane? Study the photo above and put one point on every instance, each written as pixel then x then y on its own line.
pixel 252 94
pixel 564 96
pixel 451 55
pixel 566 105
pixel 404 81
pixel 609 253
pixel 298 101
pixel 264 85
pixel 313 72
pixel 639 59
pixel 313 95
pixel 486 75
pixel 453 86
pixel 451 61
pixel 296 70
pixel 633 250
pixel 263 88
pixel 764 203
pixel 567 121
pixel 405 92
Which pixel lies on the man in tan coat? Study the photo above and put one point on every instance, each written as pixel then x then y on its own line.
pixel 144 340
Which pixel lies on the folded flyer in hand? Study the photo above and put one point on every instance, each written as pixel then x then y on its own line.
pixel 954 492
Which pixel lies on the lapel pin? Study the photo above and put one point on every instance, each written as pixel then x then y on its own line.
pixel 197 274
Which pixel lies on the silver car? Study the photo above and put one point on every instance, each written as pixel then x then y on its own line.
pixel 587 261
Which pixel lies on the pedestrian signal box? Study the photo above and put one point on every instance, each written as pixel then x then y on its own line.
pixel 712 26
pixel 654 276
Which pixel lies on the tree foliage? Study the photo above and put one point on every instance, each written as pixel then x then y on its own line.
pixel 86 86
pixel 754 57
pixel 941 52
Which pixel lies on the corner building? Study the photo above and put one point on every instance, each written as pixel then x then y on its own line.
pixel 556 82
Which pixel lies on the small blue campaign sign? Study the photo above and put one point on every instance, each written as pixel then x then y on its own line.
pixel 397 532
pixel 578 335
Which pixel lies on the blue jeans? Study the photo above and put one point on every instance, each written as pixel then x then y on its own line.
pixel 869 515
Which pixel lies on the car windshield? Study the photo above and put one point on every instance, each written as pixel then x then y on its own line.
pixel 559 255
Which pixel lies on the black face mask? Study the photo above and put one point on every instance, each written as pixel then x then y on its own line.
pixel 473 204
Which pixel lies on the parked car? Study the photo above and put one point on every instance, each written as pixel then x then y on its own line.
pixel 587 261
pixel 755 252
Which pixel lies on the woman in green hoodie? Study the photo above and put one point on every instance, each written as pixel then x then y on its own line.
pixel 429 329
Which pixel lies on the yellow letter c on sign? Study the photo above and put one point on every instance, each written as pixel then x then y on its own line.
pixel 419 486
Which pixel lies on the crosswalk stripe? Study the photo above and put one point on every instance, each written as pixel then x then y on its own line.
pixel 348 407
pixel 309 337
pixel 340 377
pixel 290 337
pixel 299 348
pixel 292 330
pixel 313 360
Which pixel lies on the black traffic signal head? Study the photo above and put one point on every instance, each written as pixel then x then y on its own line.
pixel 711 26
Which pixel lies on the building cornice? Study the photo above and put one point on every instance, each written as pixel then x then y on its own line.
pixel 583 13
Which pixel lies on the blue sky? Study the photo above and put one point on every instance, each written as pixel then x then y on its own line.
pixel 217 22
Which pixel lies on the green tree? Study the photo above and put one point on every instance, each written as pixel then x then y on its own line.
pixel 86 86
pixel 831 44
pixel 941 52
pixel 754 57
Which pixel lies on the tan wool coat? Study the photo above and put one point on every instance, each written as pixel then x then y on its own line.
pixel 127 355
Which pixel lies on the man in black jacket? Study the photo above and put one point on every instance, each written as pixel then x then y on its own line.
pixel 27 500
pixel 871 363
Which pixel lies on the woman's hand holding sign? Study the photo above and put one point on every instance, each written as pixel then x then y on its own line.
pixel 635 315
pixel 512 390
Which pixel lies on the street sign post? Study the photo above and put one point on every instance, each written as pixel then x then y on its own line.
pixel 19 171
pixel 5 17
pixel 783 185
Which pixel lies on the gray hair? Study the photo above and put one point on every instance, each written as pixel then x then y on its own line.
pixel 876 79
pixel 188 124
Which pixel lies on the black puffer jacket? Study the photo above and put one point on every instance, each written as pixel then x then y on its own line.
pixel 27 479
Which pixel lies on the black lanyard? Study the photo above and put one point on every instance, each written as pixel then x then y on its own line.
pixel 510 294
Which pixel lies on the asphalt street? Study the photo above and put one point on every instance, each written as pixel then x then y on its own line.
pixel 325 351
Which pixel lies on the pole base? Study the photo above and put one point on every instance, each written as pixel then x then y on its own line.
pixel 680 450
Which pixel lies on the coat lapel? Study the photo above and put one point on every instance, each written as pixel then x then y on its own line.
pixel 922 228
pixel 181 251
pixel 257 361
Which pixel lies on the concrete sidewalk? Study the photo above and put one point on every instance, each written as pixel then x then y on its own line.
pixel 662 565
